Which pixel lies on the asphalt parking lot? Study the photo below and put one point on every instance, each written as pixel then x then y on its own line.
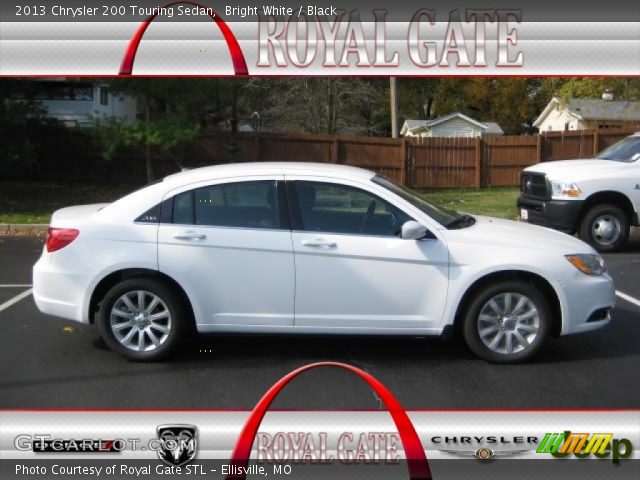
pixel 53 363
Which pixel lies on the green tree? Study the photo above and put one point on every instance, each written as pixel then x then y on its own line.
pixel 511 102
pixel 20 115
pixel 166 135
pixel 172 112
pixel 417 97
pixel 623 88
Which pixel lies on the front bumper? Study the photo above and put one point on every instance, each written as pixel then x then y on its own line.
pixel 558 214
pixel 588 302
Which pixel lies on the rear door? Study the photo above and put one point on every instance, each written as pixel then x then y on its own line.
pixel 353 270
pixel 229 245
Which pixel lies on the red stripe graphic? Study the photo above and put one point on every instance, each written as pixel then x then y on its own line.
pixel 417 462
pixel 237 57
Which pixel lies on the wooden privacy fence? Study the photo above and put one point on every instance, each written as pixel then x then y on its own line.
pixel 420 162
pixel 417 162
pixel 384 155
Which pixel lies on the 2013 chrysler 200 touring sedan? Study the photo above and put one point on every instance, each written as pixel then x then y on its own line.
pixel 314 249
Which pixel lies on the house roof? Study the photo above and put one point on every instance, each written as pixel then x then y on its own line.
pixel 444 118
pixel 595 109
pixel 493 129
pixel 413 125
pixel 599 109
pixel 416 125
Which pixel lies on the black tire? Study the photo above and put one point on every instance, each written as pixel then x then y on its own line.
pixel 612 214
pixel 179 326
pixel 480 301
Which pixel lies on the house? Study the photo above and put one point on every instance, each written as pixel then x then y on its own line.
pixel 452 125
pixel 75 103
pixel 588 114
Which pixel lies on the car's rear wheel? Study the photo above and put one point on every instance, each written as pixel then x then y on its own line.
pixel 507 321
pixel 142 319
pixel 605 227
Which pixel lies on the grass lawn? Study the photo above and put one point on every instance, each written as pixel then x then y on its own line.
pixel 491 201
pixel 23 202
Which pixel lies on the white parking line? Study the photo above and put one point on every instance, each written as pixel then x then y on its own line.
pixel 25 294
pixel 15 299
pixel 15 286
pixel 628 298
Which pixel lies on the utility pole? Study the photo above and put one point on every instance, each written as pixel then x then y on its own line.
pixel 393 88
pixel 147 146
pixel 232 147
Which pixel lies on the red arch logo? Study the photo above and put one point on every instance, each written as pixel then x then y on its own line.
pixel 417 462
pixel 237 57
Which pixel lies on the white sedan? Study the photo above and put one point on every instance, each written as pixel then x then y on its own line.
pixel 302 248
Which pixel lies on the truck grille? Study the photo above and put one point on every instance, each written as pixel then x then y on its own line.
pixel 533 184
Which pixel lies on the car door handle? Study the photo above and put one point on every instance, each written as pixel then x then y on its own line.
pixel 189 236
pixel 320 243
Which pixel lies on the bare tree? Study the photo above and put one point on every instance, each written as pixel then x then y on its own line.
pixel 325 105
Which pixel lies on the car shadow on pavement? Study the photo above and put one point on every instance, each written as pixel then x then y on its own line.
pixel 603 344
pixel 617 340
pixel 266 348
pixel 633 245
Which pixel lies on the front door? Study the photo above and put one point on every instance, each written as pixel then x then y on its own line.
pixel 353 270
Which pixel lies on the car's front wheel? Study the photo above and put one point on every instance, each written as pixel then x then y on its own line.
pixel 507 321
pixel 141 319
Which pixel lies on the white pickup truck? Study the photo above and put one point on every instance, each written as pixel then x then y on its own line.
pixel 597 198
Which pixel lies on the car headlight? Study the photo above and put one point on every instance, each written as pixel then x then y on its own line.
pixel 588 264
pixel 565 189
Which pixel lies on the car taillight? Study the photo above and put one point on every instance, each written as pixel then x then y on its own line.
pixel 60 237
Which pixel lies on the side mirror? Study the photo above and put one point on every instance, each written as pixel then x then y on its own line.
pixel 413 230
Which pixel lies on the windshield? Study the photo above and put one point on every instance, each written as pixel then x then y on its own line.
pixel 627 150
pixel 441 215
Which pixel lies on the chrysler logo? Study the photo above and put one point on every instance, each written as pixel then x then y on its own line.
pixel 178 444
pixel 484 454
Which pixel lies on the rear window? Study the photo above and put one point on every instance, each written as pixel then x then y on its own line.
pixel 241 204
pixel 151 216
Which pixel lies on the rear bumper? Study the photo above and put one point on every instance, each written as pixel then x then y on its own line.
pixel 59 293
pixel 558 214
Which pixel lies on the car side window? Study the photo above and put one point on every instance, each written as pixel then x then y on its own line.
pixel 240 204
pixel 335 208
pixel 183 208
pixel 150 216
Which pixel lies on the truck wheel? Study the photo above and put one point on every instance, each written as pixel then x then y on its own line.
pixel 507 321
pixel 605 227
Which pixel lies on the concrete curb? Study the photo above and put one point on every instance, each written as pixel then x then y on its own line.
pixel 23 227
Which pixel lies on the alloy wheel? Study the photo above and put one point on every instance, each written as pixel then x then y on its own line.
pixel 140 321
pixel 508 323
